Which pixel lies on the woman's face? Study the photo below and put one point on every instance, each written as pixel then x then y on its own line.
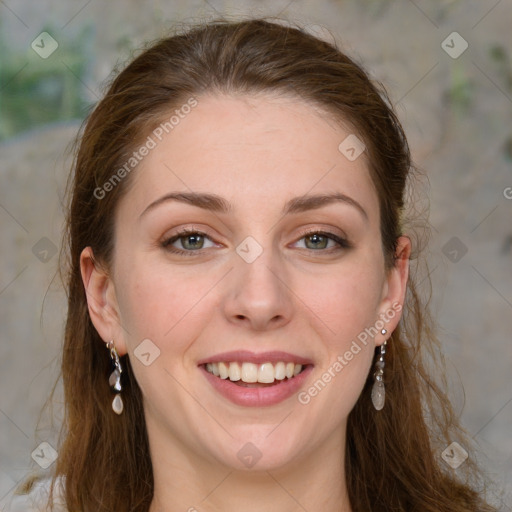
pixel 267 266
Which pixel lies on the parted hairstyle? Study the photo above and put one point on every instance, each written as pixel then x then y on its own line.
pixel 393 456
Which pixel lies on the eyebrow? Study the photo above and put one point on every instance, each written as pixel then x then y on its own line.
pixel 215 203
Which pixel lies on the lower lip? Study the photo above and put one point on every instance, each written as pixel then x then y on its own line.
pixel 257 397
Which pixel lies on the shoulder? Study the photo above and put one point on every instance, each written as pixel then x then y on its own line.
pixel 32 495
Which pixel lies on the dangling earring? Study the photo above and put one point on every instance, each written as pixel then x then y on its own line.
pixel 115 378
pixel 378 390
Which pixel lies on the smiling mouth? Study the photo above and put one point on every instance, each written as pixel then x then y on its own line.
pixel 251 375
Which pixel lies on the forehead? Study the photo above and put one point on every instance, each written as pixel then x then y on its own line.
pixel 257 151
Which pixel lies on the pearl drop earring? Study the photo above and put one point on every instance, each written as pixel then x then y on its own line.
pixel 115 378
pixel 378 390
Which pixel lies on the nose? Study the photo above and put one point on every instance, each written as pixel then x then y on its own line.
pixel 258 295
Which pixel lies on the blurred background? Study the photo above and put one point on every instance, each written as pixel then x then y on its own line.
pixel 447 65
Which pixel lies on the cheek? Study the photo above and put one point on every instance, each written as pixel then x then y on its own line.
pixel 346 310
pixel 345 306
pixel 170 310
pixel 346 300
pixel 160 304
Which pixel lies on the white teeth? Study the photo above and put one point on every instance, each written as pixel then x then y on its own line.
pixel 223 371
pixel 265 373
pixel 234 372
pixel 280 373
pixel 213 368
pixel 249 372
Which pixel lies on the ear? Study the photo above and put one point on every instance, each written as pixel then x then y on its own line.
pixel 102 301
pixel 394 289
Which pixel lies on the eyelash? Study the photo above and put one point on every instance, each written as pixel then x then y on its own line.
pixel 343 243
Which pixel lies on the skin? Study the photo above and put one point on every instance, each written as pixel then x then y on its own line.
pixel 257 152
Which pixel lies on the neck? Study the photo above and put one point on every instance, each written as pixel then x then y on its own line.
pixel 186 481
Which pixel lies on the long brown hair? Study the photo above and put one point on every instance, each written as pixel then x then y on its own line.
pixel 392 457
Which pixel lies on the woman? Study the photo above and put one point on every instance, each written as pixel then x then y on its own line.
pixel 239 278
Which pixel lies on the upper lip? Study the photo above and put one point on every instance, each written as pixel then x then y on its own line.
pixel 256 358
